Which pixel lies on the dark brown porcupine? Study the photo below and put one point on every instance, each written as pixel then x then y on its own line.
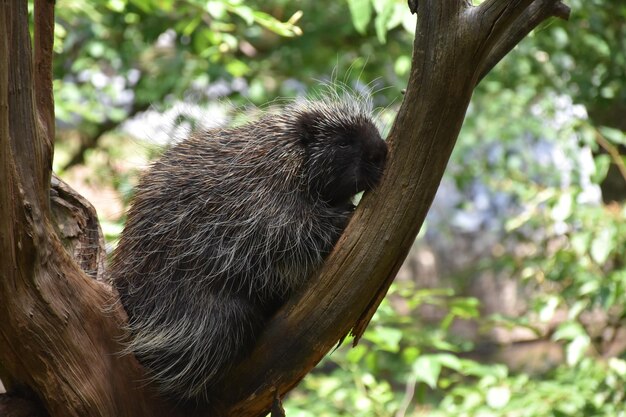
pixel 227 224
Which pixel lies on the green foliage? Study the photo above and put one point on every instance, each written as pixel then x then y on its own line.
pixel 592 388
pixel 395 351
pixel 389 15
pixel 118 55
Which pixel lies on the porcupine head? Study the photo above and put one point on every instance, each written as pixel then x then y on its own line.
pixel 227 224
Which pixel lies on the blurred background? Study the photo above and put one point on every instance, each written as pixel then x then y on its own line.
pixel 512 301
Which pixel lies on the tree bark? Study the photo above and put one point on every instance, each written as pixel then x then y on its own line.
pixel 62 331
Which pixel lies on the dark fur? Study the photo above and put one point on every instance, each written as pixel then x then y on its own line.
pixel 227 225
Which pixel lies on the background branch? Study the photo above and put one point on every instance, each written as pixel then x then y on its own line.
pixel 91 141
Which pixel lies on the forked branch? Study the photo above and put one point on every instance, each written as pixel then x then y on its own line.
pixel 517 29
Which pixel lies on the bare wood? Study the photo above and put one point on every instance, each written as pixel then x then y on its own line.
pixel 31 152
pixel 61 332
pixel 44 39
pixel 531 17
pixel 7 171
pixel 5 142
pixel 78 229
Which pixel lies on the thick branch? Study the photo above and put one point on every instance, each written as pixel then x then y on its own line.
pixel 61 333
pixel 44 38
pixel 5 144
pixel 31 153
pixel 531 17
pixel 495 16
pixel 7 171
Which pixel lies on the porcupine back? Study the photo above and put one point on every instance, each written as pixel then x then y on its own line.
pixel 227 224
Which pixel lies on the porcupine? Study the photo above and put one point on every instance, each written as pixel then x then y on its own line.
pixel 227 224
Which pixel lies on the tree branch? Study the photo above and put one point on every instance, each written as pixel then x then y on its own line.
pixel 44 39
pixel 108 125
pixel 62 334
pixel 531 17
pixel 5 142
pixel 77 226
pixel 494 16
pixel 7 168
pixel 31 151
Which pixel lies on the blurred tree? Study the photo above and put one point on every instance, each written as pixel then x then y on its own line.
pixel 118 58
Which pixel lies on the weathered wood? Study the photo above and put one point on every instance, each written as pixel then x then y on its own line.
pixel 61 332
pixel 78 228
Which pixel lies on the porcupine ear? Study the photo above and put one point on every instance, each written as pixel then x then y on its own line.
pixel 307 126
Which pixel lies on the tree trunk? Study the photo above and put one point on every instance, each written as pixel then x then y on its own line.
pixel 61 330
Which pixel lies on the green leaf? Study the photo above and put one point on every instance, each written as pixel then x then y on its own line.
pixel 397 15
pixel 385 338
pixel 402 65
pixel 361 13
pixel 614 135
pixel 619 366
pixel 116 5
pixel 409 21
pixel 569 331
pixel 547 311
pixel 449 361
pixel 246 13
pixel 577 349
pixel 355 354
pixel 498 397
pixel 427 369
pixel 237 68
pixel 580 243
pixel 216 9
pixel 144 5
pixel 384 10
pixel 563 208
pixel 602 162
pixel 602 245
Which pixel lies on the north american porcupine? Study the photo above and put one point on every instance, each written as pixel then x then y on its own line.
pixel 227 224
